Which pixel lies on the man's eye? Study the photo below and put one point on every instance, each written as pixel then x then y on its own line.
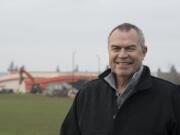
pixel 115 49
pixel 131 48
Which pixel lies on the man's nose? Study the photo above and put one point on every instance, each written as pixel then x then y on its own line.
pixel 123 53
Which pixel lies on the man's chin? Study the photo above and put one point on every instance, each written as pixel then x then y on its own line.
pixel 122 73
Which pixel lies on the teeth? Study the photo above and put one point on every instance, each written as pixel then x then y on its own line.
pixel 122 62
pixel 127 63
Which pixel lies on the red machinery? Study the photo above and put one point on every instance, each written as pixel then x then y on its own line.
pixel 38 85
pixel 35 86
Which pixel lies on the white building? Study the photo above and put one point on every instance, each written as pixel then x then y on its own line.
pixel 11 80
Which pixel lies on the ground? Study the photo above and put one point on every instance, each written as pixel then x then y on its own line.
pixel 32 114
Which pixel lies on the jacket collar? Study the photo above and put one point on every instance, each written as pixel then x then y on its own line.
pixel 144 82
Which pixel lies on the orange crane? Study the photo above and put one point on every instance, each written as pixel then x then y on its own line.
pixel 38 85
pixel 35 87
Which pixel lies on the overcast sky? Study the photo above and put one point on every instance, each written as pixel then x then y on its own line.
pixel 42 34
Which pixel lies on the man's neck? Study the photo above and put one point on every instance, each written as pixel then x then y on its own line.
pixel 122 83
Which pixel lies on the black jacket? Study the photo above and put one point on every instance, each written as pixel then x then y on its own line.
pixel 154 109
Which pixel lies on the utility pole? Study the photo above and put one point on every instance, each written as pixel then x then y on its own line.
pixel 73 64
pixel 98 62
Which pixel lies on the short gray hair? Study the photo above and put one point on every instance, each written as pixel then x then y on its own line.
pixel 127 27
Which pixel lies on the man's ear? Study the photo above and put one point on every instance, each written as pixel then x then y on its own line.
pixel 145 49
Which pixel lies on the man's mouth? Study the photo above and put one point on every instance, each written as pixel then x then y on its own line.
pixel 123 62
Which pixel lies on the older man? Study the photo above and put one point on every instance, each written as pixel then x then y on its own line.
pixel 126 99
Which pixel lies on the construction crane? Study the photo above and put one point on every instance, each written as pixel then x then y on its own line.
pixel 35 87
pixel 38 85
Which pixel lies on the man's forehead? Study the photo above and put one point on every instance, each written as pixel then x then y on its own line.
pixel 124 31
pixel 124 34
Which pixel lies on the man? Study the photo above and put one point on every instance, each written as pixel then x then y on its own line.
pixel 126 99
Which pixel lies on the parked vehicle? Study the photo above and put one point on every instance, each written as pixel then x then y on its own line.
pixel 6 90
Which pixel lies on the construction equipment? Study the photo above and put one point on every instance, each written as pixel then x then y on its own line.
pixel 35 87
pixel 40 84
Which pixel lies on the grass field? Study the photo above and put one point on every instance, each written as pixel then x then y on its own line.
pixel 31 114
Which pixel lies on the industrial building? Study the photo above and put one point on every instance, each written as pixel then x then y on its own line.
pixel 23 83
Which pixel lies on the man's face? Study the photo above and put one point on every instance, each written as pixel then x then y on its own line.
pixel 125 52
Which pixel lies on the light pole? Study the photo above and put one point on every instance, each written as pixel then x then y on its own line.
pixel 98 60
pixel 73 64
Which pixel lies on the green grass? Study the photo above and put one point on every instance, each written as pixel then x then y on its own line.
pixel 31 114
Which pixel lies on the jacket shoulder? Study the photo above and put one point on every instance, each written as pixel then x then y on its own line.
pixel 90 91
pixel 162 81
pixel 163 86
pixel 93 84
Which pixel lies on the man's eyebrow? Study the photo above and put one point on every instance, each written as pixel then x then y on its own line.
pixel 115 46
pixel 131 45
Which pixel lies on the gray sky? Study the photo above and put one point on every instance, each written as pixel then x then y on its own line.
pixel 42 34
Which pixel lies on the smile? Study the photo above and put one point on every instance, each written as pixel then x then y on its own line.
pixel 123 62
